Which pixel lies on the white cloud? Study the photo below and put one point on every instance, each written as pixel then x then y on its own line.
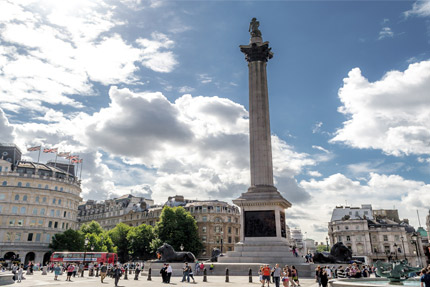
pixel 53 51
pixel 205 78
pixel 314 173
pixel 185 89
pixel 419 8
pixel 6 130
pixel 320 148
pixel 392 114
pixel 385 32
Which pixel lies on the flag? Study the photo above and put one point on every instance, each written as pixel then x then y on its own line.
pixel 72 157
pixel 76 160
pixel 50 150
pixel 34 148
pixel 63 154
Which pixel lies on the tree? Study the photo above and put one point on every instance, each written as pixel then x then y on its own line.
pixel 140 238
pixel 176 227
pixel 119 239
pixel 321 248
pixel 69 240
pixel 92 227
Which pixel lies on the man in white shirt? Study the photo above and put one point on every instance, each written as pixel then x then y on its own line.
pixel 169 272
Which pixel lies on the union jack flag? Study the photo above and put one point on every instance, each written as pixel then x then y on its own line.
pixel 72 157
pixel 34 148
pixel 63 154
pixel 50 150
pixel 77 160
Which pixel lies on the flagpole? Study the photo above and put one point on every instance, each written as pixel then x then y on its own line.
pixel 38 158
pixel 82 163
pixel 70 159
pixel 56 154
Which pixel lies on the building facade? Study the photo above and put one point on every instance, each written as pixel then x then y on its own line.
pixel 36 202
pixel 217 221
pixel 376 234
pixel 110 212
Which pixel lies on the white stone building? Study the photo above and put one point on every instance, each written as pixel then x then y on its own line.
pixel 377 234
pixel 36 202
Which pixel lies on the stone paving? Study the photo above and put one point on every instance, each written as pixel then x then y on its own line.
pixel 48 280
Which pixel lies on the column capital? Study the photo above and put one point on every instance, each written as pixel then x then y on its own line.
pixel 257 51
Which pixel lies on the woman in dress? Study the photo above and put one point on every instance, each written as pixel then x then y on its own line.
pixel 57 270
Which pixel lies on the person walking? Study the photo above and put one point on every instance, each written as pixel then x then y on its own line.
pixel 103 271
pixel 169 272
pixel 116 274
pixel 266 275
pixel 20 271
pixel 70 270
pixel 190 274
pixel 185 273
pixel 295 275
pixel 57 270
pixel 318 273
pixel 425 278
pixel 276 271
pixel 163 273
pixel 285 277
pixel 136 272
pixel 324 277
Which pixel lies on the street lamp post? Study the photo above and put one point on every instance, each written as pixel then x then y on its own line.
pixel 395 249
pixel 85 254
pixel 403 244
pixel 326 240
pixel 222 235
pixel 415 242
pixel 92 249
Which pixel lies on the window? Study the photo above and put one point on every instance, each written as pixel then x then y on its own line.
pixel 37 198
pixel 20 222
pixel 27 184
pixel 385 237
pixel 217 229
pixel 237 231
pixel 40 223
pixel 48 238
pixel 59 201
pixel 2 196
pixel 65 214
pixel 18 236
pixel 54 200
pixel 229 219
pixel 25 198
pixel 67 225
pixel 12 222
pixel 39 185
pixel 62 225
pixel 46 186
pixel 218 209
pixel 339 239
pixel 44 199
pixel 19 184
pixel 61 189
pixel 42 211
pixel 366 212
pixel 14 209
pixel 55 224
pixel 1 208
pixel 229 239
pixel 396 237
pixel 4 183
pixel 23 210
pixel 34 211
pixel 346 227
pixel 38 237
pixel 17 197
pixel 204 229
pixel 56 187
pixel 205 209
pixel 204 238
pixel 58 213
pixel 229 229
pixel 30 237
pixel 52 213
pixel 204 218
pixel 33 222
pixel 50 224
pixel 348 238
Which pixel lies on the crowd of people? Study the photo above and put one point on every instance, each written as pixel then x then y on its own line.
pixel 289 276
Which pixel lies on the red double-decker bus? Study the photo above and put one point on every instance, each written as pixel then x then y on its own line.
pixel 78 257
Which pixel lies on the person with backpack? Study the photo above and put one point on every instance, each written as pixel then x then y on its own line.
pixel 117 273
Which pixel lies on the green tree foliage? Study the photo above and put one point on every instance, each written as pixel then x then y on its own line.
pixel 321 248
pixel 176 227
pixel 119 239
pixel 140 238
pixel 70 240
pixel 93 227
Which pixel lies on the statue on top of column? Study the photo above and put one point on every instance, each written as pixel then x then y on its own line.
pixel 253 28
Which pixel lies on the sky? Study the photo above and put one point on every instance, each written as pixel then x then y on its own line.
pixel 153 96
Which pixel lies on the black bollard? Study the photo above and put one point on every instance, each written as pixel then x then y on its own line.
pixel 125 274
pixel 227 279
pixel 97 272
pixel 250 275
pixel 129 272
pixel 205 274
pixel 149 274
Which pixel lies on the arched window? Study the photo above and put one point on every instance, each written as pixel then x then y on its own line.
pixel 39 185
pixel 17 197
pixel 56 188
pixel 42 211
pixel 23 210
pixel 61 189
pixel 24 198
pixel 59 201
pixel 19 183
pixel 37 198
pixel 27 184
pixel 46 186
pixel 4 183
pixel 44 199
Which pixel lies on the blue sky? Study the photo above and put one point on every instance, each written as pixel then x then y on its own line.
pixel 153 95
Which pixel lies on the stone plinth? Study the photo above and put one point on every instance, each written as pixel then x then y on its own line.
pixel 6 279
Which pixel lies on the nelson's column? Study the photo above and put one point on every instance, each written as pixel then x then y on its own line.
pixel 263 236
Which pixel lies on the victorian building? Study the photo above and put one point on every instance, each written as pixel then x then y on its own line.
pixel 110 212
pixel 376 234
pixel 217 221
pixel 36 202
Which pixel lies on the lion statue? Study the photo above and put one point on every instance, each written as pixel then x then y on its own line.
pixel 339 253
pixel 168 254
pixel 215 254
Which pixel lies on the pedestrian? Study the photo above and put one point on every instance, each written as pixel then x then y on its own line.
pixel 266 275
pixel 14 271
pixel 276 271
pixel 197 268
pixel 318 273
pixel 103 271
pixel 211 268
pixel 190 274
pixel 202 266
pixel 291 277
pixel 136 272
pixel 163 273
pixel 425 278
pixel 169 272
pixel 285 277
pixel 20 271
pixel 75 269
pixel 57 271
pixel 324 277
pixel 185 273
pixel 70 270
pixel 116 274
pixel 341 272
pixel 260 275
pixel 295 275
